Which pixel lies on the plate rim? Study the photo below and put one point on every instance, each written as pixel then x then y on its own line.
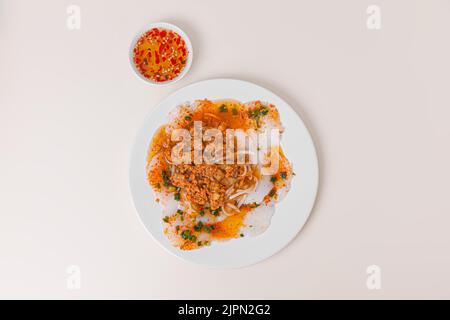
pixel 157 108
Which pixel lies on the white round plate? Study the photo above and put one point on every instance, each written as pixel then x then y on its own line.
pixel 291 213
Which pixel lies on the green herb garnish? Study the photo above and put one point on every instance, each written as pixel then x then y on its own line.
pixel 186 234
pixel 198 226
pixel 166 178
pixel 253 113
pixel 258 112
pixel 223 108
pixel 264 110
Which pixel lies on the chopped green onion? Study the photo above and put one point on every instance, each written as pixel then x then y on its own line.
pixel 258 112
pixel 186 234
pixel 198 226
pixel 166 179
pixel 264 110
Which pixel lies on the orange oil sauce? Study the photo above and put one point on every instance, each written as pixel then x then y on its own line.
pixel 230 226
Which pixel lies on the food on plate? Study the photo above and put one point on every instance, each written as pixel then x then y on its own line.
pixel 232 189
pixel 160 54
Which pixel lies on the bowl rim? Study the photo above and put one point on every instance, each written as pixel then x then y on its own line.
pixel 169 26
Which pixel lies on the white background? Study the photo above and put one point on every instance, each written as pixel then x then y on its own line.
pixel 376 103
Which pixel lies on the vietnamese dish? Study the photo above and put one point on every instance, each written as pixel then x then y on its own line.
pixel 230 196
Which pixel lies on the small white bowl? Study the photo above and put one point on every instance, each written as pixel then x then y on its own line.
pixel 168 26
